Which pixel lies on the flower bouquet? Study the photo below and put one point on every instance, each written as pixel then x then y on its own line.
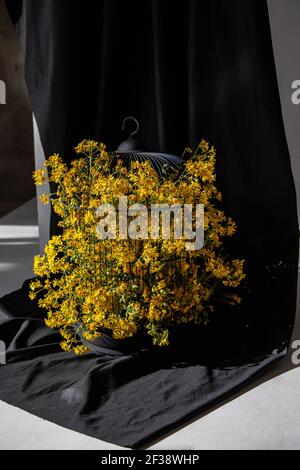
pixel 111 270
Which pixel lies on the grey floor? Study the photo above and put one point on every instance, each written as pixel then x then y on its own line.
pixel 266 416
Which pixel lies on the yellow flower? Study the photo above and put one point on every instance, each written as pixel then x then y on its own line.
pixel 40 267
pixel 89 218
pixel 44 198
pixel 81 349
pixel 87 146
pixel 40 177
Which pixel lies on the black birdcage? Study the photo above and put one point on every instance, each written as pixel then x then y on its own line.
pixel 132 149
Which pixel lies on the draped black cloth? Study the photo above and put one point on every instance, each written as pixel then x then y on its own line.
pixel 185 70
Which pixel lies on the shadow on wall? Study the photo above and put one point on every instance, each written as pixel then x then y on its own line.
pixel 16 134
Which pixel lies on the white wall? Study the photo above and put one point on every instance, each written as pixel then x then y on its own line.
pixel 43 211
pixel 285 26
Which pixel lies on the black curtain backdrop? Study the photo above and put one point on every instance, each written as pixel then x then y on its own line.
pixel 186 70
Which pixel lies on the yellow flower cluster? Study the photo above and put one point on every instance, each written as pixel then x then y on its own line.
pixel 122 285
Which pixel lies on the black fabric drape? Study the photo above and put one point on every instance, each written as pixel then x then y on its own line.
pixel 186 70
